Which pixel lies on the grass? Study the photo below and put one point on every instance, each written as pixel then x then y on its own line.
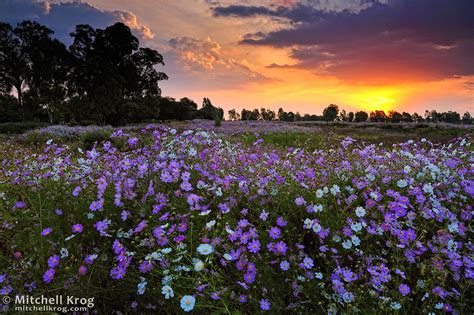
pixel 320 139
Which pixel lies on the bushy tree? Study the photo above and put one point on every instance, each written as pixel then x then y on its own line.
pixel 9 109
pixel 394 116
pixel 417 118
pixel 171 109
pixel 378 116
pixel 33 66
pixel 267 114
pixel 450 117
pixel 361 116
pixel 233 115
pixel 406 117
pixel 330 113
pixel 209 111
pixel 466 118
pixel 350 116
pixel 110 69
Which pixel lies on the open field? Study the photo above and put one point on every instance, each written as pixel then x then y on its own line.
pixel 252 217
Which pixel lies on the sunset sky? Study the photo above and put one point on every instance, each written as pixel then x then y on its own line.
pixel 406 55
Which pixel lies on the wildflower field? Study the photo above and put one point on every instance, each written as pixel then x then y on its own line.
pixel 164 220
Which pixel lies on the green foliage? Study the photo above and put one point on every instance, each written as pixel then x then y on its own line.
pixel 88 139
pixel 104 76
pixel 209 111
pixel 9 109
pixel 217 121
pixel 20 127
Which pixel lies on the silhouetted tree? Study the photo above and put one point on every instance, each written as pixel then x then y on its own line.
pixel 14 64
pixel 394 116
pixel 378 116
pixel 233 115
pixel 34 67
pixel 245 114
pixel 209 111
pixel 406 117
pixel 111 71
pixel 255 115
pixel 417 118
pixel 342 115
pixel 9 109
pixel 330 113
pixel 267 114
pixel 466 118
pixel 450 117
pixel 360 116
pixel 432 116
pixel 350 116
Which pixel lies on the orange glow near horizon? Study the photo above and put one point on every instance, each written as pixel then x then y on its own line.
pixel 385 99
pixel 311 94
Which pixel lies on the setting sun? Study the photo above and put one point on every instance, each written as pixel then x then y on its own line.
pixel 377 99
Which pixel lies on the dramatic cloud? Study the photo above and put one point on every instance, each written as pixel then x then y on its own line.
pixel 63 17
pixel 196 54
pixel 390 41
pixel 243 11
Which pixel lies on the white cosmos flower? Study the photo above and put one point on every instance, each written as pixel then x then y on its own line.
pixel 205 249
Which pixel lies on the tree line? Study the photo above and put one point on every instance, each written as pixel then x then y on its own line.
pixel 103 77
pixel 333 113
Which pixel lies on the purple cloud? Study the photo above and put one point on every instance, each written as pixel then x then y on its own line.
pixel 429 39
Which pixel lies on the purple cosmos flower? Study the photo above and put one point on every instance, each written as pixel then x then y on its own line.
pixel 49 275
pixel 223 207
pixel 145 266
pixel 308 263
pixel 274 232
pixel 76 191
pixel 19 205
pixel 216 295
pixel 404 289
pixel 77 228
pixel 280 248
pixel 254 246
pixel 46 231
pixel 6 290
pixel 143 224
pixel 284 265
pixel 264 305
pixel 101 226
pixel 300 201
pixel 281 221
pixel 30 286
pixel 249 277
pixel 53 261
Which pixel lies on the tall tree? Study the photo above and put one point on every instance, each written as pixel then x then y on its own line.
pixel 111 70
pixel 361 116
pixel 233 115
pixel 350 116
pixel 14 64
pixel 406 117
pixel 330 113
pixel 378 116
pixel 466 118
pixel 49 62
